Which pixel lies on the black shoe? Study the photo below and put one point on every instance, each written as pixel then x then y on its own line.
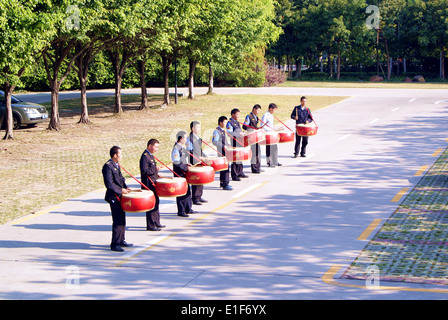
pixel 153 229
pixel 279 164
pixel 236 179
pixel 183 215
pixel 197 203
pixel 161 226
pixel 303 156
pixel 243 176
pixel 203 200
pixel 295 155
pixel 192 211
pixel 116 247
pixel 125 244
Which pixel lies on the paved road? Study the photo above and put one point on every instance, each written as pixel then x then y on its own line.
pixel 288 233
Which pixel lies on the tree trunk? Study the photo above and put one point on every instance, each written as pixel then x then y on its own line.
pixel 338 76
pixel 118 107
pixel 9 134
pixel 442 63
pixel 83 84
pixel 388 58
pixel 210 79
pixel 166 63
pixel 141 69
pixel 55 123
pixel 193 63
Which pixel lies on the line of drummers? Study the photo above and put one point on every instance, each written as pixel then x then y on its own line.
pixel 233 142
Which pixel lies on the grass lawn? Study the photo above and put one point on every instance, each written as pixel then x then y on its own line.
pixel 41 168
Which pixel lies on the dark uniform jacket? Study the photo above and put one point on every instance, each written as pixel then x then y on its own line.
pixel 234 128
pixel 304 115
pixel 148 170
pixel 113 180
pixel 180 166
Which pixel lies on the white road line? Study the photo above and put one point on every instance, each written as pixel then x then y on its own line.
pixel 374 120
pixel 345 137
pixel 412 100
pixel 146 245
pixel 395 109
pixel 247 190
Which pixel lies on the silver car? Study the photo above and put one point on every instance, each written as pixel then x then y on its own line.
pixel 23 113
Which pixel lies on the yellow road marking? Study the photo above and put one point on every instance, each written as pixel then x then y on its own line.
pixel 420 171
pixel 369 229
pixel 399 195
pixel 31 216
pixel 437 152
pixel 328 278
pixel 189 224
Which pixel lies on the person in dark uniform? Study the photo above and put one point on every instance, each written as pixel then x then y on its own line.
pixel 302 115
pixel 149 172
pixel 194 147
pixel 180 166
pixel 219 140
pixel 250 124
pixel 234 129
pixel 115 187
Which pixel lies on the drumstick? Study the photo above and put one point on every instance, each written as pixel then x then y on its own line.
pixel 265 124
pixel 196 158
pixel 212 148
pixel 248 125
pixel 233 137
pixel 167 167
pixel 283 124
pixel 134 177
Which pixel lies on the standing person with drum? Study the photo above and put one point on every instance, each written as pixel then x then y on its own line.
pixel 194 147
pixel 115 187
pixel 149 172
pixel 180 167
pixel 234 129
pixel 219 140
pixel 268 125
pixel 251 123
pixel 302 115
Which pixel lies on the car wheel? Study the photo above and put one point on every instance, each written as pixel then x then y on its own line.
pixel 16 122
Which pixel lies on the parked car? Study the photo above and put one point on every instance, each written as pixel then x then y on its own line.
pixel 23 113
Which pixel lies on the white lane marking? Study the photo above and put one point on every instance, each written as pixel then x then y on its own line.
pixel 374 120
pixel 412 100
pixel 146 245
pixel 247 190
pixel 395 109
pixel 345 137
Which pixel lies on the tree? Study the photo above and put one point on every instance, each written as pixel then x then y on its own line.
pixel 24 31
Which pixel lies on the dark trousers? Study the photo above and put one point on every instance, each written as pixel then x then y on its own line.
pixel 236 169
pixel 196 192
pixel 272 154
pixel 184 203
pixel 304 141
pixel 224 178
pixel 153 216
pixel 256 155
pixel 118 222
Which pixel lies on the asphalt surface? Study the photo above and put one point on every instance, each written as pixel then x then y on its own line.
pixel 288 233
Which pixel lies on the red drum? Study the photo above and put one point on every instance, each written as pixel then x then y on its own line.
pixel 309 129
pixel 171 187
pixel 253 137
pixel 138 201
pixel 238 154
pixel 217 163
pixel 272 137
pixel 200 175
pixel 286 136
